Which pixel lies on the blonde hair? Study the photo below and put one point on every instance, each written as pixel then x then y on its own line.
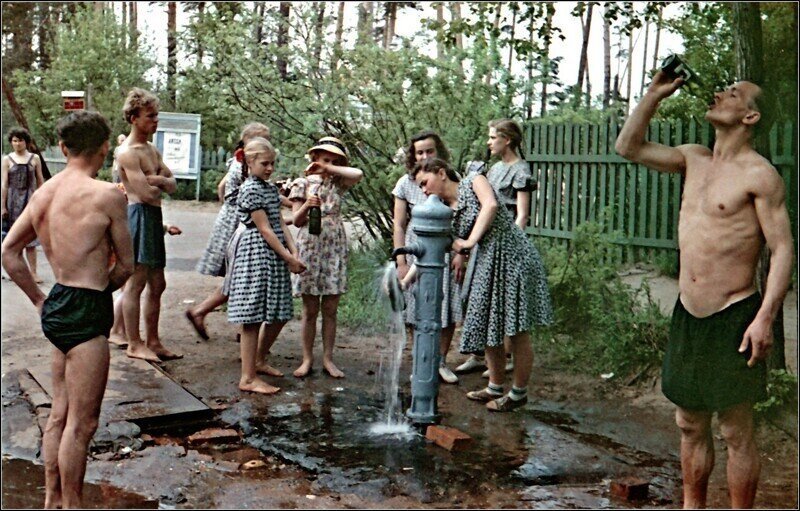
pixel 136 100
pixel 256 146
pixel 255 129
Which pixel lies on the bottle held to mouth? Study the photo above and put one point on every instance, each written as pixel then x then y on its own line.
pixel 674 67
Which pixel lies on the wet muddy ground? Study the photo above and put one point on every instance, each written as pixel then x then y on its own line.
pixel 310 446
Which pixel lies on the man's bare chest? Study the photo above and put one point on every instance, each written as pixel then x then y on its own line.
pixel 716 195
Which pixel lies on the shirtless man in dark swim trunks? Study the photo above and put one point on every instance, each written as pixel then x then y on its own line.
pixel 721 331
pixel 145 177
pixel 79 222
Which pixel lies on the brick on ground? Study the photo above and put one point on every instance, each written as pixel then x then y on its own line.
pixel 448 438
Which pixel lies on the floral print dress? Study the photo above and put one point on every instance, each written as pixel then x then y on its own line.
pixel 213 260
pixel 325 254
pixel 508 291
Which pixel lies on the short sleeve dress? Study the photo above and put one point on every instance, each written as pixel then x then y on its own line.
pixel 21 185
pixel 260 285
pixel 508 292
pixel 507 180
pixel 410 192
pixel 324 254
pixel 213 260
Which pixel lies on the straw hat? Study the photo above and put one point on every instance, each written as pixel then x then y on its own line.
pixel 330 144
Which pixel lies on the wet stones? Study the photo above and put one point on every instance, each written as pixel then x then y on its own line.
pixel 116 436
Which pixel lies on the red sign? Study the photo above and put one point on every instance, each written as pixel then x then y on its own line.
pixel 74 104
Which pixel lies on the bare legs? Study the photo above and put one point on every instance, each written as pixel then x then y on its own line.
pixel 153 278
pixel 117 335
pixel 311 307
pixel 266 338
pixel 697 455
pixel 523 360
pixel 197 315
pixel 445 339
pixel 248 346
pixel 79 381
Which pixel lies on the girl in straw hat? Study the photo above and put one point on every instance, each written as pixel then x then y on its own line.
pixel 327 178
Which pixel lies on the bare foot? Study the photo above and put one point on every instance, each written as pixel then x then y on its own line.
pixel 257 385
pixel 143 352
pixel 267 369
pixel 303 370
pixel 163 353
pixel 52 501
pixel 332 370
pixel 118 339
pixel 37 278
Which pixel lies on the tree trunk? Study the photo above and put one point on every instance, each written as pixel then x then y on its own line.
pixel 172 52
pixel 258 31
pixel 629 69
pixel 16 110
pixel 606 59
pixel 440 31
pixel 133 20
pixel 644 59
pixel 44 33
pixel 390 24
pixel 750 66
pixel 658 39
pixel 583 65
pixel 201 10
pixel 365 23
pixel 493 52
pixel 283 38
pixel 455 15
pixel 319 35
pixel 337 42
pixel 546 59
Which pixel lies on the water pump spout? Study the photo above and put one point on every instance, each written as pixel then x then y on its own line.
pixel 415 249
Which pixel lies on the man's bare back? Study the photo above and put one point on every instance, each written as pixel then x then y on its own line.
pixel 76 218
pixel 719 233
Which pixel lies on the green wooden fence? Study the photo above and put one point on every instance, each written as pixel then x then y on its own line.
pixel 581 178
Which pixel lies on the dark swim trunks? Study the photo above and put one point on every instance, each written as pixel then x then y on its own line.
pixel 147 230
pixel 703 369
pixel 74 315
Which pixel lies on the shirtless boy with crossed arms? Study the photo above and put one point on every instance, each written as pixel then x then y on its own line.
pixel 145 177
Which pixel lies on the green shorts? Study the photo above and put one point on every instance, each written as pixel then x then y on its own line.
pixel 74 315
pixel 147 232
pixel 703 369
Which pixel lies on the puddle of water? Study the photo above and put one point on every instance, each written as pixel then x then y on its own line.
pixel 23 488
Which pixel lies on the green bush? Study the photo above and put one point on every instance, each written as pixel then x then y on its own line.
pixel 601 324
pixel 187 189
pixel 781 394
pixel 362 306
pixel 667 263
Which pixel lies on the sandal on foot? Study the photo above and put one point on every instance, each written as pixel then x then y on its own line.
pixel 483 395
pixel 506 404
pixel 199 328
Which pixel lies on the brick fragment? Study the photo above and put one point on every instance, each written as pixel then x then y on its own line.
pixel 630 488
pixel 449 438
pixel 213 435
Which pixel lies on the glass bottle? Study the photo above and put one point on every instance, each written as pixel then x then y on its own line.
pixel 314 212
pixel 674 67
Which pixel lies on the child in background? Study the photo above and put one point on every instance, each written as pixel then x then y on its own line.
pixel 327 178
pixel 260 285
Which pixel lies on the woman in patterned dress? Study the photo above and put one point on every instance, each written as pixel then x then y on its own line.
pixel 213 260
pixel 408 194
pixel 260 287
pixel 507 292
pixel 21 176
pixel 510 178
pixel 327 178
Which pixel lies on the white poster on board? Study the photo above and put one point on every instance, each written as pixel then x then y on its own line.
pixel 177 152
